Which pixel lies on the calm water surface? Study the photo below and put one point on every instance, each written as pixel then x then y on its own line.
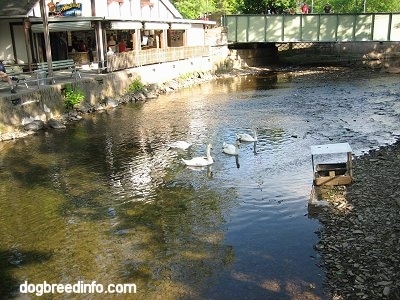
pixel 107 200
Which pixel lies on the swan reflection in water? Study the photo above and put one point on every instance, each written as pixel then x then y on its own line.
pixel 183 145
pixel 237 161
pixel 209 172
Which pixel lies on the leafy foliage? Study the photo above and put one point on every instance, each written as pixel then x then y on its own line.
pixel 73 96
pixel 357 6
pixel 135 86
pixel 194 9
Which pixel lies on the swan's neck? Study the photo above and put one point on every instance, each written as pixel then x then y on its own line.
pixel 209 154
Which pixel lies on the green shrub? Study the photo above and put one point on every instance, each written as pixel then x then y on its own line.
pixel 73 96
pixel 135 86
pixel 187 76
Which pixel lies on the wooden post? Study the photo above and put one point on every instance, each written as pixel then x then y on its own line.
pixel 43 12
pixel 350 164
pixel 27 26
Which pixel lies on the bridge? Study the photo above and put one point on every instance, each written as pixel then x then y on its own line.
pixel 366 27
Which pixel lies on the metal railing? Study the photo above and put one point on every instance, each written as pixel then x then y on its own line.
pixel 313 27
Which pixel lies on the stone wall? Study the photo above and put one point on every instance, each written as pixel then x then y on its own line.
pixel 382 54
pixel 48 102
pixel 374 54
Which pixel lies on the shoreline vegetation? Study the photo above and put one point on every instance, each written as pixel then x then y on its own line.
pixel 359 241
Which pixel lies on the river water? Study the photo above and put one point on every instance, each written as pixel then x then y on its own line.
pixel 107 200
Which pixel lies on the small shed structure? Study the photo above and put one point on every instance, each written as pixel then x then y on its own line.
pixel 332 173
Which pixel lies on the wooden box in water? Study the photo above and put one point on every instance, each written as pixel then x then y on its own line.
pixel 335 173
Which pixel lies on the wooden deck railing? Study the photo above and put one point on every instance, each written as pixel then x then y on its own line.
pixel 130 59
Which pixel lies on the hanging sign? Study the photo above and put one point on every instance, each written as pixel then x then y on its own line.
pixel 69 10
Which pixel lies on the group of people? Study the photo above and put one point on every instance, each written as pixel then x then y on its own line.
pixel 305 9
pixel 113 46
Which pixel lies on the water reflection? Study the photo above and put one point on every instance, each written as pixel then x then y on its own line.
pixel 108 200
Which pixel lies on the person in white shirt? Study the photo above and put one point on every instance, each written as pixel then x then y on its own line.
pixel 112 43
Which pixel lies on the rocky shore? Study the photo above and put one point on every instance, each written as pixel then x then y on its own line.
pixel 360 238
pixel 150 92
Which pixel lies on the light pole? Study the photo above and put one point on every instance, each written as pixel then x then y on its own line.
pixel 365 5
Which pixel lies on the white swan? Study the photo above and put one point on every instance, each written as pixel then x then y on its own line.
pixel 231 149
pixel 200 161
pixel 245 137
pixel 180 145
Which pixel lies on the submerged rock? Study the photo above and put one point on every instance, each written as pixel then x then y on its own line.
pixel 34 126
pixel 55 124
pixel 111 103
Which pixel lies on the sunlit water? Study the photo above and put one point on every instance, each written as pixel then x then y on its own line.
pixel 108 200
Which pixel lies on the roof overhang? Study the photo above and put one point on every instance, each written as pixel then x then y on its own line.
pixel 63 26
pixel 57 24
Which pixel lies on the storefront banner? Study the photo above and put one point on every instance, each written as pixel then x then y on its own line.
pixel 69 10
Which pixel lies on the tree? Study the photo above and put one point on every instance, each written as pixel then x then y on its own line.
pixel 357 6
pixel 194 9
pixel 252 6
pixel 228 6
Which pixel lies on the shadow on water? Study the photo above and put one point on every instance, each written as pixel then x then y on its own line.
pixel 13 259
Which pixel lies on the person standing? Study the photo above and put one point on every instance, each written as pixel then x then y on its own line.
pixel 112 43
pixel 121 46
pixel 90 46
pixel 327 8
pixel 150 41
pixel 4 76
pixel 304 8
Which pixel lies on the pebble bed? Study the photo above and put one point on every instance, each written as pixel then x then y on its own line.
pixel 360 238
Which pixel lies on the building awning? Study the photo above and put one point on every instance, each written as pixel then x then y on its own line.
pixel 155 26
pixel 180 26
pixel 63 26
pixel 121 25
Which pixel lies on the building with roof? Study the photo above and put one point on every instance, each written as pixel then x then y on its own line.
pixel 86 30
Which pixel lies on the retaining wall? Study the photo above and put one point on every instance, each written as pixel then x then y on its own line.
pixel 48 102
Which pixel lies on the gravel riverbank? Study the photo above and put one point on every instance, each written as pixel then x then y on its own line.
pixel 360 238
